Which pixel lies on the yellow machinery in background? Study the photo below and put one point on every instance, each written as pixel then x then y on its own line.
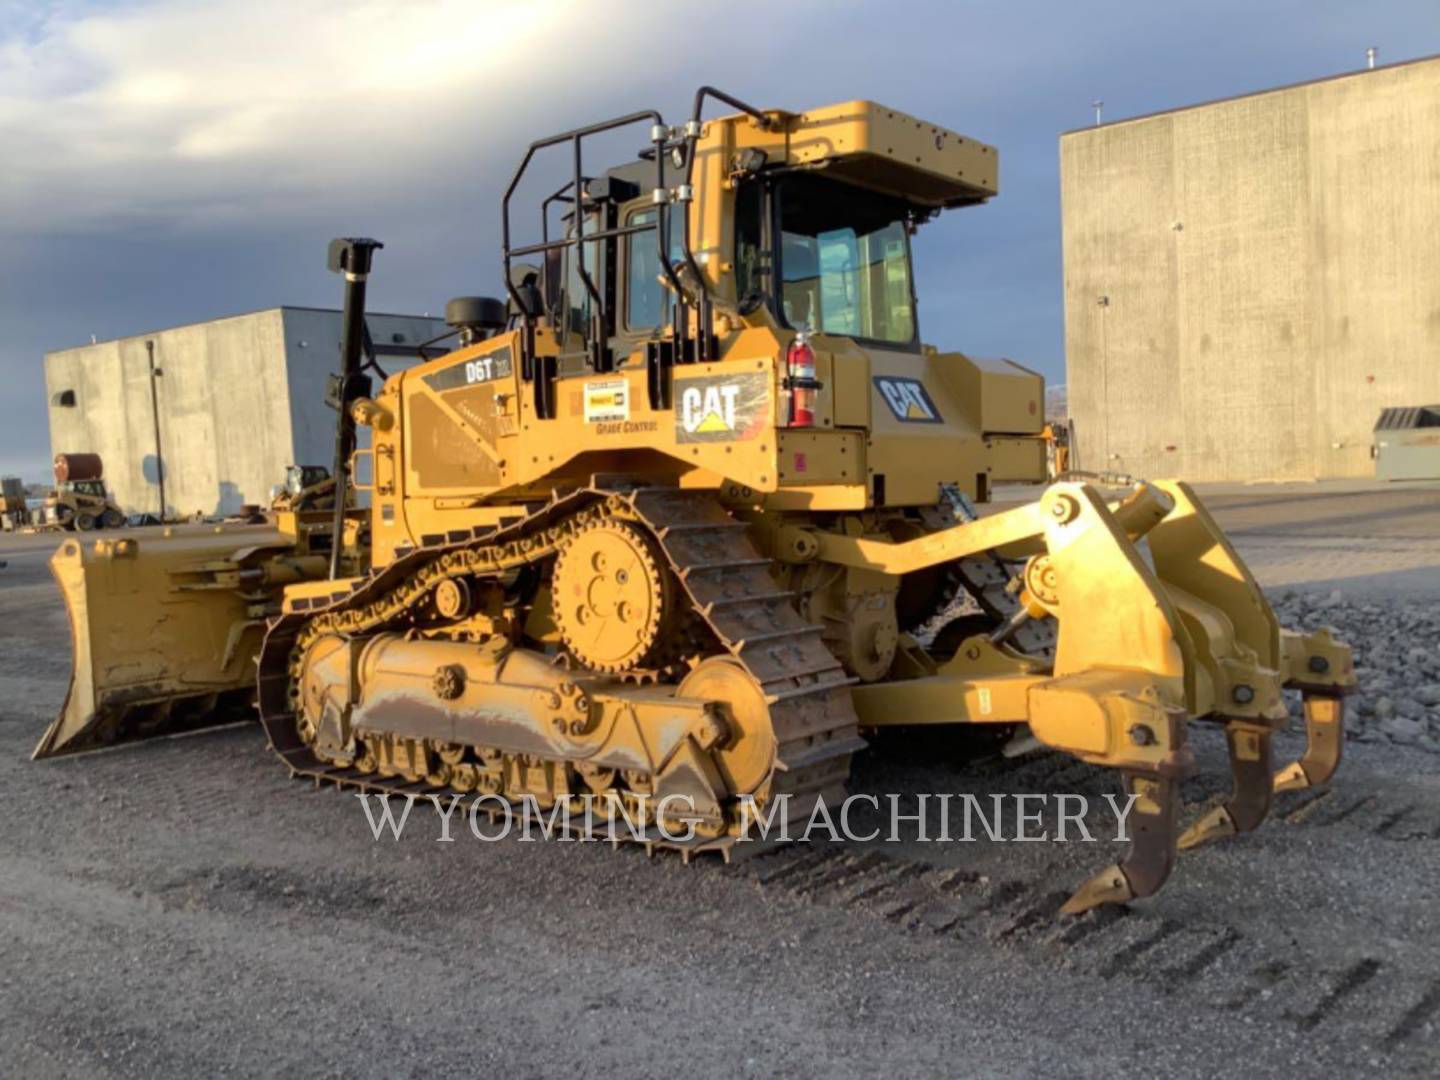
pixel 694 510
pixel 1057 449
pixel 306 487
pixel 80 502
pixel 14 506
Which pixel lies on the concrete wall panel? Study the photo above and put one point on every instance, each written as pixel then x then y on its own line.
pixel 1375 267
pixel 239 400
pixel 1239 231
pixel 1128 312
pixel 1247 283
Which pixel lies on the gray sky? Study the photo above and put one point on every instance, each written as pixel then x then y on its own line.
pixel 169 162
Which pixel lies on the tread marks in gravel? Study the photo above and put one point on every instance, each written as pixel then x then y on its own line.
pixel 1214 963
pixel 242 889
pixel 1387 815
pixel 1418 1017
pixel 1334 991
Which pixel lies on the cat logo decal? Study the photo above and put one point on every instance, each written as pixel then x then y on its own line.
pixel 908 399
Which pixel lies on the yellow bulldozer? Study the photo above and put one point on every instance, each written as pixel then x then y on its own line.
pixel 676 524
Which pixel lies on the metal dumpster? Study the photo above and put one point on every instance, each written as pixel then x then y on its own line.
pixel 1407 443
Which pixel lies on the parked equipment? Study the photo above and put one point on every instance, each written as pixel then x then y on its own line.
pixel 1057 449
pixel 80 501
pixel 14 509
pixel 1407 443
pixel 675 521
pixel 306 487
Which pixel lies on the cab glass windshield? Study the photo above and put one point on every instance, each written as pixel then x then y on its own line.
pixel 844 261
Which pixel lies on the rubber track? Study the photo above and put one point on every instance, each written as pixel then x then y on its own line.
pixel 730 590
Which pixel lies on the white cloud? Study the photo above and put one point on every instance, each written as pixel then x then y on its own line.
pixel 181 113
pixel 162 162
pixel 173 114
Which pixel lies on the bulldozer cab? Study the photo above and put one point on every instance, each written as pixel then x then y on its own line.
pixel 820 255
pixel 733 310
pixel 841 265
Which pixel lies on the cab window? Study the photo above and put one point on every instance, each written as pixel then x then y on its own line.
pixel 750 263
pixel 578 301
pixel 844 262
pixel 647 302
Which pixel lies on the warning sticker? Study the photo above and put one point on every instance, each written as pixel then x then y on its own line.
pixel 908 399
pixel 607 401
pixel 721 408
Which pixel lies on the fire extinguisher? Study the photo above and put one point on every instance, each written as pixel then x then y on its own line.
pixel 800 381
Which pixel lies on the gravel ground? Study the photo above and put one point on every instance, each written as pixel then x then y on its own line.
pixel 1396 661
pixel 182 907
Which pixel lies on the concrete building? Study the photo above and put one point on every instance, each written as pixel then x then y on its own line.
pixel 1249 282
pixel 238 400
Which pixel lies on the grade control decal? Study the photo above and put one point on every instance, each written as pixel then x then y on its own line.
pixel 607 401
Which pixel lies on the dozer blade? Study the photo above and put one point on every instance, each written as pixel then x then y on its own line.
pixel 164 629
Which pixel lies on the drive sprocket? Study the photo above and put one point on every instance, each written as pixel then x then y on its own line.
pixel 613 599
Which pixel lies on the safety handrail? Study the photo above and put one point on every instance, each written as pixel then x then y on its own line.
pixel 692 138
pixel 659 134
pixel 662 138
